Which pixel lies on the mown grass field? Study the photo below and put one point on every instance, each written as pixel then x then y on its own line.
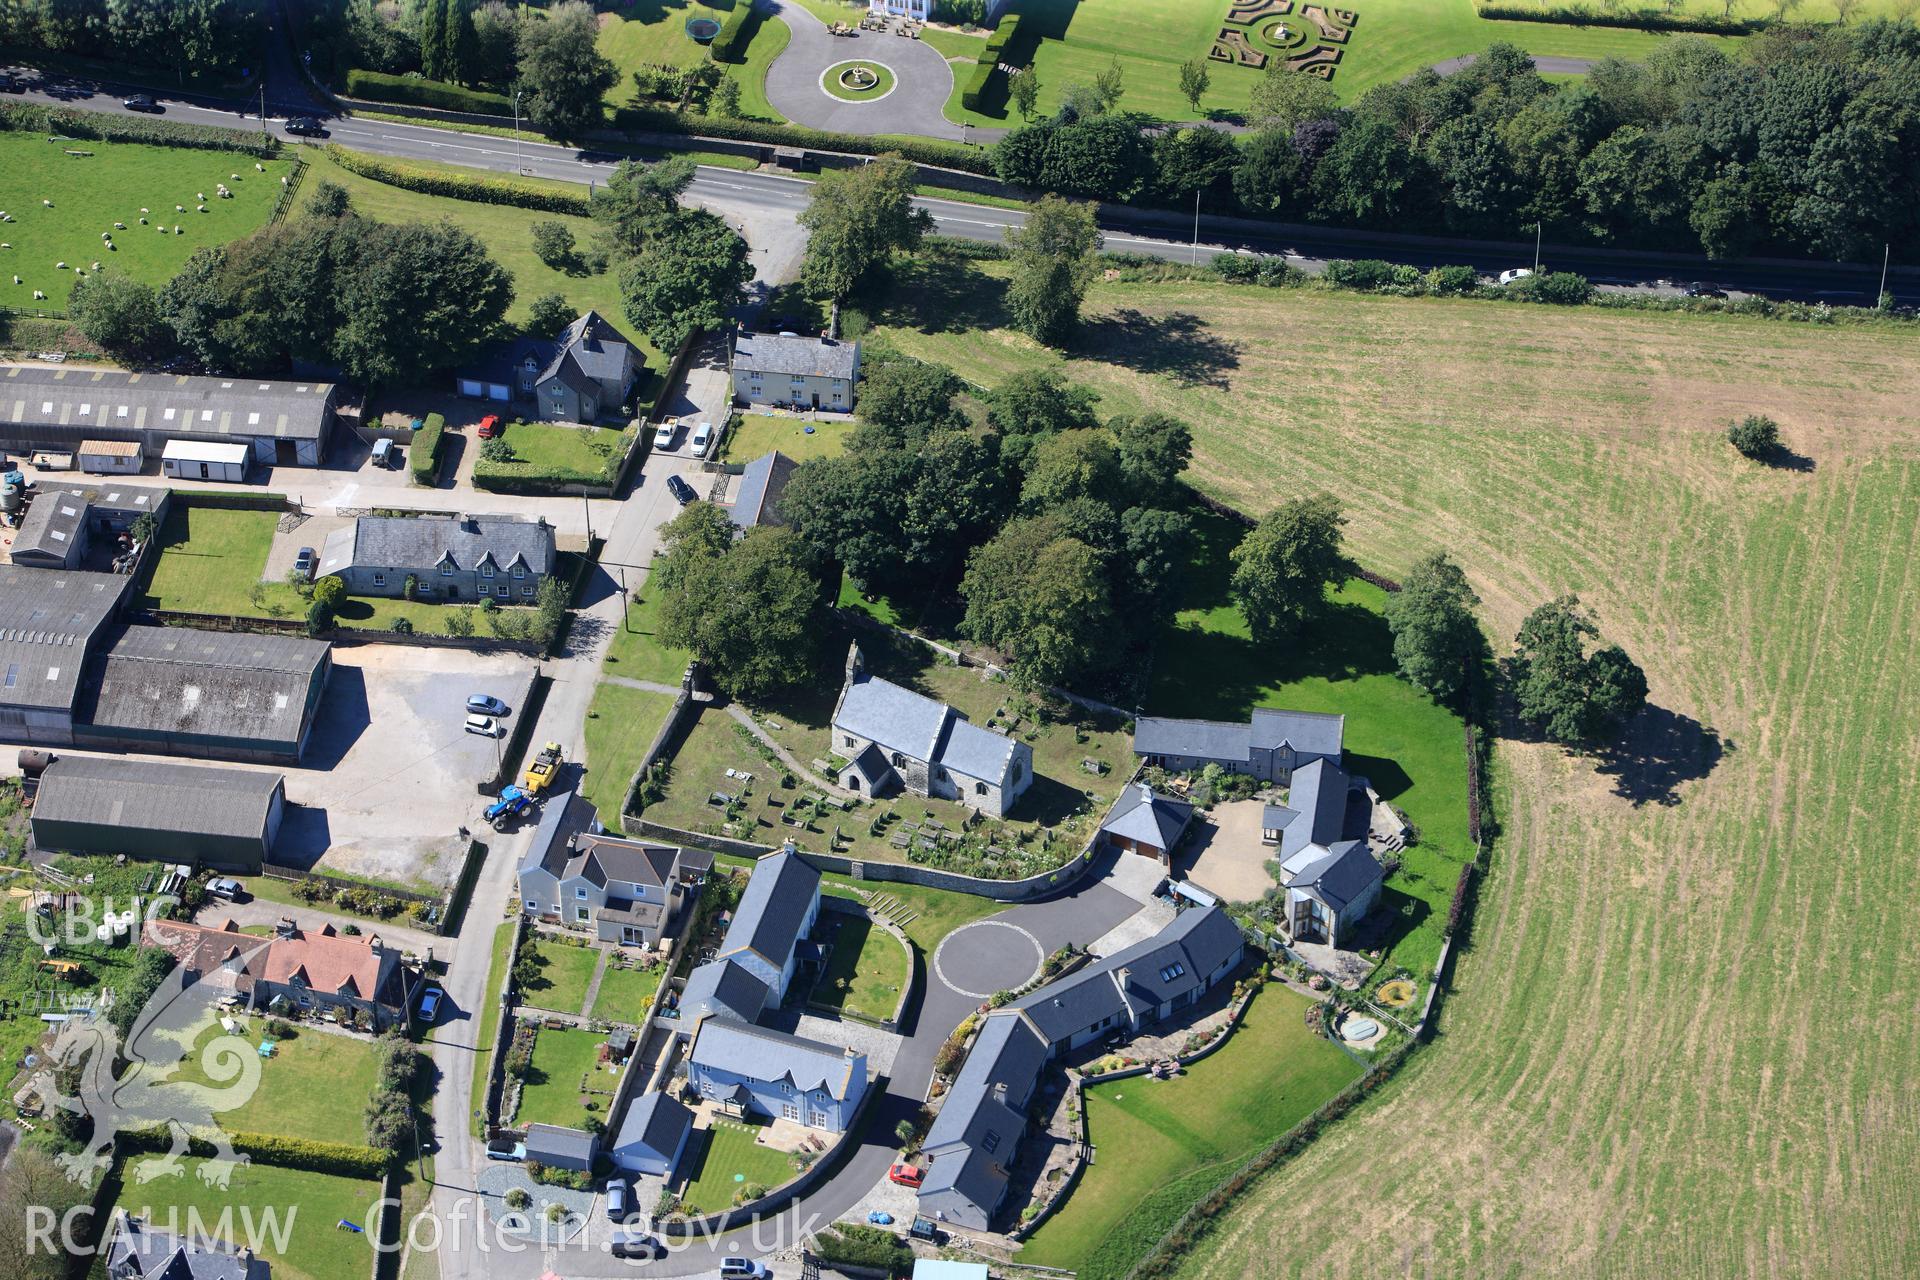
pixel 620 725
pixel 1679 1041
pixel 1160 1144
pixel 636 651
pixel 287 1215
pixel 92 192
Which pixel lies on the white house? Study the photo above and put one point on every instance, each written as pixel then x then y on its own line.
pixel 787 369
pixel 198 460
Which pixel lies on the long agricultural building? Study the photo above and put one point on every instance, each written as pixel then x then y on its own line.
pixel 57 408
pixel 226 819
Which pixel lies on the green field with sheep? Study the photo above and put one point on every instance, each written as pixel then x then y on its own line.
pixel 76 202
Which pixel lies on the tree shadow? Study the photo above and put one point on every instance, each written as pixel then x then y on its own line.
pixel 1781 458
pixel 942 293
pixel 1177 344
pixel 1660 750
pixel 1386 776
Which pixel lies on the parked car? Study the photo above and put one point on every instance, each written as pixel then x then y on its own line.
pixel 430 1004
pixel 906 1175
pixel 307 126
pixel 744 1269
pixel 384 454
pixel 143 102
pixel 664 433
pixel 681 490
pixel 1701 289
pixel 617 1200
pixel 628 1243
pixel 1517 273
pixel 485 726
pixel 489 426
pixel 486 704
pixel 12 84
pixel 303 562
pixel 702 437
pixel 506 1149
pixel 227 890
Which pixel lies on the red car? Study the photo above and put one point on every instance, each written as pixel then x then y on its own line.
pixel 490 426
pixel 906 1175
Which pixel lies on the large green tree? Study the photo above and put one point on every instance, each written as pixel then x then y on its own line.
pixel 903 399
pixel 1283 567
pixel 119 313
pixel 1072 466
pixel 1434 635
pixel 1041 597
pixel 638 198
pixel 746 608
pixel 1154 449
pixel 856 220
pixel 1034 404
pixel 1572 695
pixel 686 279
pixel 1054 252
pixel 563 70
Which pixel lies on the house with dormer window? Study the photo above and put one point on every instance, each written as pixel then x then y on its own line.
pixel 633 892
pixel 449 558
pixel 582 375
pixel 317 972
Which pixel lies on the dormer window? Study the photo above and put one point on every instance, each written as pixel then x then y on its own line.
pixel 519 571
pixel 446 568
pixel 486 570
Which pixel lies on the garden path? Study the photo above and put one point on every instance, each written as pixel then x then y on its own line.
pixel 593 986
pixel 742 716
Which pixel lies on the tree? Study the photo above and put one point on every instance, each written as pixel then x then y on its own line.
pixel 1572 696
pixel 1434 634
pixel 638 198
pixel 1194 81
pixel 432 37
pixel 1370 176
pixel 1111 85
pixel 562 71
pixel 850 509
pixel 150 968
pixel 1023 89
pixel 32 1177
pixel 1157 543
pixel 1285 98
pixel 413 297
pixel 856 219
pixel 551 313
pixel 1034 404
pixel 330 591
pixel 1272 175
pixel 1104 158
pixel 553 241
pixel 319 619
pixel 904 398
pixel 493 48
pixel 686 279
pixel 1070 467
pixel 1054 261
pixel 1755 436
pixel 725 100
pixel 119 313
pixel 329 200
pixel 1154 449
pixel 1282 569
pixel 1041 597
pixel 1190 160
pixel 746 609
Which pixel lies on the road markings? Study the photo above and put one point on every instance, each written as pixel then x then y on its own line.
pixel 1039 957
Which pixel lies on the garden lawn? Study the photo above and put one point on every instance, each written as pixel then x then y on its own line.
pixel 1646 936
pixel 506 230
pixel 653 33
pixel 621 724
pixel 1075 40
pixel 551 453
pixel 315 1086
pixel 625 993
pixel 287 1215
pixel 565 973
pixel 551 1093
pixel 867 970
pixel 90 193
pixel 1161 1144
pixel 723 1160
pixel 755 434
pixel 489 1022
pixel 636 651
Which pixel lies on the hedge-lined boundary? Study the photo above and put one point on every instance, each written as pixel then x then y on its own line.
pixel 1632 20
pixel 940 155
pixel 382 87
pixel 975 92
pixel 337 1158
pixel 721 46
pixel 31 118
pixel 424 461
pixel 458 186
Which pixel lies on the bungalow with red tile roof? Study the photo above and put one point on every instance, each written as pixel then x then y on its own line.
pixel 312 972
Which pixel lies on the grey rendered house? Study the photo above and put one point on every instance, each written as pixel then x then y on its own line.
pixel 787 369
pixel 582 375
pixel 630 892
pixel 776 913
pixel 1332 880
pixel 893 738
pixel 1269 747
pixel 757 1071
pixel 504 558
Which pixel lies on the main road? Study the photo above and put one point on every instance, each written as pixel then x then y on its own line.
pixel 1155 233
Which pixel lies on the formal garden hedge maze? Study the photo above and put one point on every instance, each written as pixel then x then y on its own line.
pixel 1257 31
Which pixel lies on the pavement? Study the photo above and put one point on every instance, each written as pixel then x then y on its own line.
pixel 923 81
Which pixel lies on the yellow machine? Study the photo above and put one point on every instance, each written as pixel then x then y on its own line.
pixel 542 768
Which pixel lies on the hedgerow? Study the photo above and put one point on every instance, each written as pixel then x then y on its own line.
pixel 1633 19
pixel 337 1158
pixel 30 118
pixel 425 461
pixel 459 186
pixel 381 87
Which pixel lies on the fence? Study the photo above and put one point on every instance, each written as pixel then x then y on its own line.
pixel 289 193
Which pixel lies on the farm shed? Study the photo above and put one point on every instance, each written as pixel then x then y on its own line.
pixel 50 622
pixel 226 819
pixel 64 520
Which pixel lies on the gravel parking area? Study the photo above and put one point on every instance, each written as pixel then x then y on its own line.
pixel 1224 855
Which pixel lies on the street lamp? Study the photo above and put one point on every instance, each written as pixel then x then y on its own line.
pixel 1196 228
pixel 517 169
pixel 1536 248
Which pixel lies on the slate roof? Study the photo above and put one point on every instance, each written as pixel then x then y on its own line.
pixel 1335 875
pixel 237 685
pixel 1008 1055
pixel 975 752
pixel 190 799
pixel 1176 959
pixel 136 1249
pixel 104 402
pixel 760 1053
pixel 656 1122
pixel 48 618
pixel 773 909
pixel 1317 801
pixel 757 500
pixel 873 769
pixel 897 719
pixel 545 1141
pixel 418 544
pixel 1155 820
pixel 1307 732
pixel 602 860
pixel 588 348
pixel 780 353
pixel 722 988
pixel 1207 739
pixel 562 817
pixel 59 514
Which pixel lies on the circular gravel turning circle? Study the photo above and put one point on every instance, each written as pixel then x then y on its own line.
pixel 978 963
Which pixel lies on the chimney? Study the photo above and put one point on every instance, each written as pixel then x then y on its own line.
pixel 1000 1092
pixel 470 524
pixel 1125 976
pixel 284 927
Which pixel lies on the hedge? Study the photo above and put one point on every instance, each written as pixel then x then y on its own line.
pixel 30 118
pixel 1633 20
pixel 424 462
pixel 475 186
pixel 989 63
pixel 337 1158
pixel 940 155
pixel 721 47
pixel 381 87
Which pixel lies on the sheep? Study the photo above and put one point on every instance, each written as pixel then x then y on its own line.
pixel 200 208
pixel 16 279
pixel 59 266
pixel 179 208
pixel 144 209
pixel 283 179
pixel 176 228
pixel 118 226
pixel 233 177
pixel 39 296
pixel 94 267
pixel 105 236
pixel 202 195
pixel 258 167
pixel 143 222
pixel 47 203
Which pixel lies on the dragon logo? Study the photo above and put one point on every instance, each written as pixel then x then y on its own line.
pixel 129 1088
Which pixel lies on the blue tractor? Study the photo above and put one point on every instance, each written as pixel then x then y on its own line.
pixel 512 803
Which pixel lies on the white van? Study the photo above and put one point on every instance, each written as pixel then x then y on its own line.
pixel 702 437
